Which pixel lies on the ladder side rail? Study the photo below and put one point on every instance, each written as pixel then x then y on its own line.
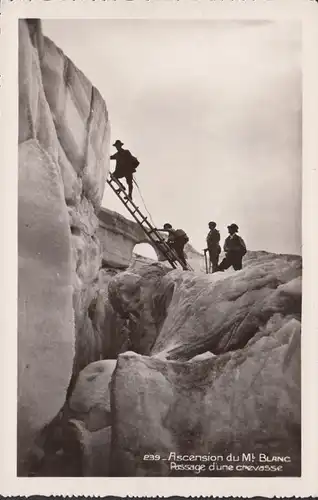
pixel 164 249
pixel 160 238
pixel 114 179
pixel 170 250
pixel 167 248
pixel 126 203
pixel 133 212
pixel 160 242
pixel 151 230
pixel 144 219
pixel 170 253
pixel 136 209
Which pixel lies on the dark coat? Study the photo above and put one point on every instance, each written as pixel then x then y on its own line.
pixel 125 163
pixel 235 244
pixel 178 235
pixel 213 240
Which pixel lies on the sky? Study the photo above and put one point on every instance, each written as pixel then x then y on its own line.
pixel 212 110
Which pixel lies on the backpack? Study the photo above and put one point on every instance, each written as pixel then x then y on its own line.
pixel 134 162
pixel 180 234
pixel 128 161
pixel 243 246
pixel 237 244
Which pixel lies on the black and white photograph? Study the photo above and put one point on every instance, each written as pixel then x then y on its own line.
pixel 159 248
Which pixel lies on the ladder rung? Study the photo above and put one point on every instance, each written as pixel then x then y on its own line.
pixel 137 211
pixel 152 234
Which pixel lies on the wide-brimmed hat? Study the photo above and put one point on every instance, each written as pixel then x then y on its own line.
pixel 234 226
pixel 118 143
pixel 167 225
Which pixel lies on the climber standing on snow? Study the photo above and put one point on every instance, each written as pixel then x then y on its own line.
pixel 126 165
pixel 213 243
pixel 177 240
pixel 234 248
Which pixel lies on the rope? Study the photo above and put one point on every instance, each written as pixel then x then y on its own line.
pixel 151 220
pixel 143 201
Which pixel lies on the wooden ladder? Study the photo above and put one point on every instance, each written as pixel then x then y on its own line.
pixel 148 228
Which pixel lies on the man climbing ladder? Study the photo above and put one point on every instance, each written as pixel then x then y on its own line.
pixel 177 240
pixel 168 250
pixel 126 165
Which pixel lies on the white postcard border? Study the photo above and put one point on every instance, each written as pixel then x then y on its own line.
pixel 307 12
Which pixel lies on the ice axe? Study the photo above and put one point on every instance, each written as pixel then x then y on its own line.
pixel 206 262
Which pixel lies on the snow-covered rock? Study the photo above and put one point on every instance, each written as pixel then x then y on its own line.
pixel 222 367
pixel 183 314
pixel 239 402
pixel 63 162
pixel 215 365
pixel 90 399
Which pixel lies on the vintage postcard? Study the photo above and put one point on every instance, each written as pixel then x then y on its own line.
pixel 159 263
